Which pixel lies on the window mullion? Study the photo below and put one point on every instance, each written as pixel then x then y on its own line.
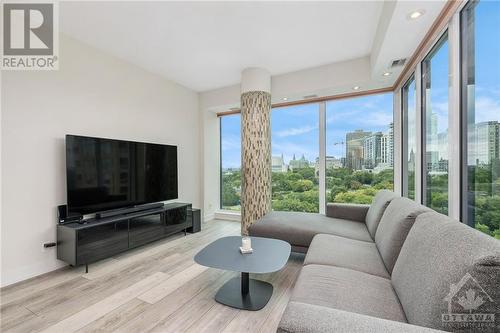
pixel 322 157
pixel 454 119
pixel 419 135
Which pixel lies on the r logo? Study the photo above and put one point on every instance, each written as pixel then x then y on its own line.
pixel 28 29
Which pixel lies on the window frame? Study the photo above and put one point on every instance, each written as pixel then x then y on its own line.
pixel 221 184
pixel 321 145
pixel 405 134
pixel 443 38
pixel 395 154
pixel 220 164
pixel 465 60
pixel 323 201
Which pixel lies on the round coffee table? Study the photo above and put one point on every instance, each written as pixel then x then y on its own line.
pixel 269 255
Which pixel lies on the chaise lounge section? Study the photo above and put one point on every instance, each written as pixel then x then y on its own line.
pixel 352 221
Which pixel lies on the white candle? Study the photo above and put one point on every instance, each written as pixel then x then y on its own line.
pixel 246 243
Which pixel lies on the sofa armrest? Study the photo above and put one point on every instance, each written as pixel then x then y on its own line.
pixel 354 212
pixel 307 318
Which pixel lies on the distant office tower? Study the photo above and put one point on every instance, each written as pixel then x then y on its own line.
pixel 432 141
pixel 387 147
pixel 433 125
pixel 411 161
pixel 485 143
pixel 331 162
pixel 442 146
pixel 372 152
pixel 278 165
pixel 354 148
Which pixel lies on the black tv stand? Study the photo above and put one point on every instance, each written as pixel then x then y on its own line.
pixel 99 238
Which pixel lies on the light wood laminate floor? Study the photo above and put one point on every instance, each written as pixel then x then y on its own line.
pixel 155 288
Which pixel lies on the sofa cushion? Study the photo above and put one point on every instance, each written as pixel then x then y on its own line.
pixel 377 208
pixel 307 318
pixel 348 290
pixel 298 229
pixel 394 226
pixel 347 211
pixel 348 253
pixel 442 263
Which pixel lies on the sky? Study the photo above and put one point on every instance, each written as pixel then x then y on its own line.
pixel 487 53
pixel 295 129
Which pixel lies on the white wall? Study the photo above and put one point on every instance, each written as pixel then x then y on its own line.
pixel 327 80
pixel 92 94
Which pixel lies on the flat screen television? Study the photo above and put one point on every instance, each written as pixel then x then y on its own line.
pixel 104 174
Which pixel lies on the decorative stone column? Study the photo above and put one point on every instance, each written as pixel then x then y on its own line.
pixel 255 146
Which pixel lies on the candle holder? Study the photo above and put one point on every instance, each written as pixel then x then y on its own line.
pixel 246 245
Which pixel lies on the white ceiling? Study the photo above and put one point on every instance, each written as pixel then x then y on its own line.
pixel 399 36
pixel 206 45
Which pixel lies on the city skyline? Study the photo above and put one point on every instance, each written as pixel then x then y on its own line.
pixel 295 130
pixel 375 152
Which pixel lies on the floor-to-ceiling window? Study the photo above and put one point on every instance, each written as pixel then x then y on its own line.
pixel 295 158
pixel 480 26
pixel 230 162
pixel 359 148
pixel 409 137
pixel 435 137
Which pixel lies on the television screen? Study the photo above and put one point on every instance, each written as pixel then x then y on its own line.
pixel 104 174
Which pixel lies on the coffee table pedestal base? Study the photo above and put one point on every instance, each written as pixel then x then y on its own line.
pixel 245 293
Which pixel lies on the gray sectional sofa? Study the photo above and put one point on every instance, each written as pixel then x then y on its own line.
pixel 393 266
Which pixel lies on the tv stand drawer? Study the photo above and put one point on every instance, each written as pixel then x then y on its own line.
pixel 101 242
pixel 146 229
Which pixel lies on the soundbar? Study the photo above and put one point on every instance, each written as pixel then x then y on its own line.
pixel 123 211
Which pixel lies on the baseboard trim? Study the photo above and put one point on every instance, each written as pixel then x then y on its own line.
pixel 229 216
pixel 209 217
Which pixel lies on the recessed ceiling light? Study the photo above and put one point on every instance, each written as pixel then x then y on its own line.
pixel 285 98
pixel 386 74
pixel 355 88
pixel 416 14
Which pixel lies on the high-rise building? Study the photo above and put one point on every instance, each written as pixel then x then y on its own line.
pixel 485 143
pixel 442 145
pixel 354 148
pixel 411 161
pixel 432 140
pixel 372 150
pixel 433 125
pixel 331 162
pixel 387 147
